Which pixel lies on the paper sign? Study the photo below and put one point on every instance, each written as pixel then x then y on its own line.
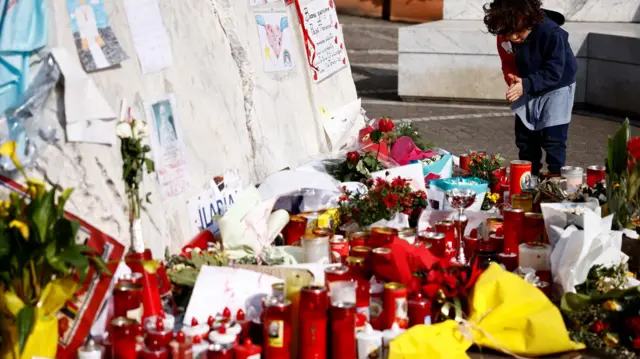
pixel 280 272
pixel 275 41
pixel 339 125
pixel 170 155
pixel 203 207
pixel 96 43
pixel 223 287
pixel 149 35
pixel 320 22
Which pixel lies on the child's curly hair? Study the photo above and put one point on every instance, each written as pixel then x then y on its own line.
pixel 504 17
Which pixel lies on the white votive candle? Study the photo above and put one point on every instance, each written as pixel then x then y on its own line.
pixel 535 256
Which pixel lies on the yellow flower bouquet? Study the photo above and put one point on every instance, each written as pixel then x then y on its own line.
pixel 507 314
pixel 41 266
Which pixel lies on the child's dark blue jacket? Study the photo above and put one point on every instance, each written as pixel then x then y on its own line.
pixel 545 60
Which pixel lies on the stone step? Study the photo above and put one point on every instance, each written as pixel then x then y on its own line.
pixel 574 10
pixel 458 59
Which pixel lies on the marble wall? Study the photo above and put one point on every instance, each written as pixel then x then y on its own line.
pixel 574 10
pixel 232 113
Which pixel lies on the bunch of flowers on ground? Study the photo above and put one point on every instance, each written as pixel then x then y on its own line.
pixel 356 168
pixel 485 168
pixel 604 314
pixel 383 200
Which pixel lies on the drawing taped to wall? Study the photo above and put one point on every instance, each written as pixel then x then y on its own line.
pixel 275 41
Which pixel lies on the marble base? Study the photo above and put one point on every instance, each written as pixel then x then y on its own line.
pixel 573 10
pixel 458 59
pixel 232 113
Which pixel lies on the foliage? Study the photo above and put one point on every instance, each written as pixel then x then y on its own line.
pixel 484 167
pixel 38 245
pixel 446 286
pixel 183 271
pixel 355 168
pixel 134 160
pixel 604 314
pixel 550 190
pixel 383 200
pixel 406 128
pixel 623 176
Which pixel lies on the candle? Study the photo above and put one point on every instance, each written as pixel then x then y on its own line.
pixel 381 236
pixel 573 175
pixel 512 228
pixel 536 256
pixel 315 248
pixel 595 174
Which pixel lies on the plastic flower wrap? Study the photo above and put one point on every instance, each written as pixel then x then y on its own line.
pixel 506 314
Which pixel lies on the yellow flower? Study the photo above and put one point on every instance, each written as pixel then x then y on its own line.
pixel 4 209
pixel 21 226
pixel 494 197
pixel 9 149
pixel 612 305
pixel 35 187
pixel 611 340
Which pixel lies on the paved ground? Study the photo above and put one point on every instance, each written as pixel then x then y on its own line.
pixel 457 127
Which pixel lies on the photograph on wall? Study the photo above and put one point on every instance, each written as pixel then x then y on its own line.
pixel 169 152
pixel 276 41
pixel 96 43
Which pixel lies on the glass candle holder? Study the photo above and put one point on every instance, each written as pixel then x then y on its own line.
pixel 523 201
pixel 573 175
pixel 315 249
pixel 381 236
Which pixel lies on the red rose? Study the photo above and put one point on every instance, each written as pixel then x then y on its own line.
pixel 634 325
pixel 353 157
pixel 636 343
pixel 430 290
pixel 598 327
pixel 385 124
pixel 435 276
pixel 391 200
pixel 633 146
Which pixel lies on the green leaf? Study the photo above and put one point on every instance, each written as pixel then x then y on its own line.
pixel 5 241
pixel 150 165
pixel 25 321
pixel 100 265
pixel 62 200
pixel 376 136
pixel 42 212
pixel 75 258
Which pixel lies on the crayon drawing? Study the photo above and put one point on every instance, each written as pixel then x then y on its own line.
pixel 275 41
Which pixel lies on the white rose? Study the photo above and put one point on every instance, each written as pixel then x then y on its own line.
pixel 140 129
pixel 123 129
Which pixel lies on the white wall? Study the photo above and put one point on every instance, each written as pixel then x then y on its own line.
pixel 267 122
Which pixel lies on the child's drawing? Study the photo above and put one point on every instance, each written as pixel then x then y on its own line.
pixel 275 41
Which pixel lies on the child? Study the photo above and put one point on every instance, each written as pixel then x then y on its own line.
pixel 540 70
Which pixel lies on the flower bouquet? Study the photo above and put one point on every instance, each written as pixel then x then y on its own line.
pixel 382 201
pixel 355 168
pixel 487 168
pixel 605 312
pixel 134 160
pixel 505 313
pixel 41 265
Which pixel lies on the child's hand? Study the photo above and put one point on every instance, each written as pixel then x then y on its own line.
pixel 515 91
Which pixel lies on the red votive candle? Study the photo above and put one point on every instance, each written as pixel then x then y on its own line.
pixel 419 310
pixel 294 230
pixel 123 332
pixel 381 236
pixel 509 260
pixel 512 226
pixel 359 239
pixel 343 330
pixel 126 299
pixel 595 174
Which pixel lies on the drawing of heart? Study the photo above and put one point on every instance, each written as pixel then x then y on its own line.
pixel 274 33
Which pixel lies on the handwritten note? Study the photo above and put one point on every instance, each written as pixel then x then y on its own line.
pixel 321 23
pixel 149 35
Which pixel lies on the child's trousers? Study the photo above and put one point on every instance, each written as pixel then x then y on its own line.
pixel 553 140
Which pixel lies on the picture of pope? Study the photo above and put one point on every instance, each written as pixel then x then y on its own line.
pixel 163 114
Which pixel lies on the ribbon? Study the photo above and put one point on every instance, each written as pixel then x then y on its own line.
pixel 309 46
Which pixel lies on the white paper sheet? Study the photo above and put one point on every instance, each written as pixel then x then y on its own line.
pixel 342 125
pixel 286 182
pixel 149 35
pixel 212 202
pixel 88 116
pixel 224 287
pixel 169 152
